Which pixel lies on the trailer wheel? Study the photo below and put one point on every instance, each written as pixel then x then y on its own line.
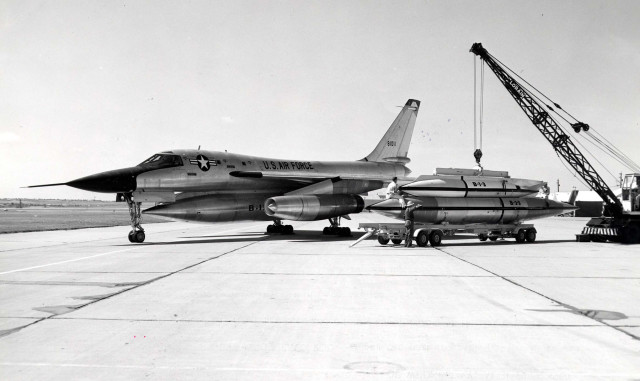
pixel 531 235
pixel 482 237
pixel 493 237
pixel 422 239
pixel 396 241
pixel 383 240
pixel 435 239
pixel 521 236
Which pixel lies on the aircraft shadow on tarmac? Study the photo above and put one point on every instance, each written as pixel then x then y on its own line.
pixel 317 236
pixel 297 236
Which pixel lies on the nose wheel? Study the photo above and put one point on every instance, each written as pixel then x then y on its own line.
pixel 136 235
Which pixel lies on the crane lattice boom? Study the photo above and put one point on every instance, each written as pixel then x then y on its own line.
pixel 561 142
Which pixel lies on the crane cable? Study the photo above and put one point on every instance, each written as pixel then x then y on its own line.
pixel 614 152
pixel 573 172
pixel 475 103
pixel 603 150
pixel 620 156
pixel 481 102
pixel 477 124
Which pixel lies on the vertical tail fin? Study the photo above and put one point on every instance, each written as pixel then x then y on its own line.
pixel 394 145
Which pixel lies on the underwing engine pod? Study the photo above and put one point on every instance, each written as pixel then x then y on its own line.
pixel 312 207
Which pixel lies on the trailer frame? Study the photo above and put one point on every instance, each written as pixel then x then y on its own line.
pixel 434 233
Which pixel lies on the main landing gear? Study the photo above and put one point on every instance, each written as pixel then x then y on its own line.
pixel 278 227
pixel 336 229
pixel 137 232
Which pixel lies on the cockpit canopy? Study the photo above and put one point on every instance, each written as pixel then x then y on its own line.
pixel 161 160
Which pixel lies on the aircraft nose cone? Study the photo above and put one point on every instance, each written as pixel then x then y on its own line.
pixel 116 181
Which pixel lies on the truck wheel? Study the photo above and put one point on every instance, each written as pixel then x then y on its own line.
pixel 383 240
pixel 531 235
pixel 631 234
pixel 521 236
pixel 435 239
pixel 482 237
pixel 422 239
pixel 493 237
pixel 396 241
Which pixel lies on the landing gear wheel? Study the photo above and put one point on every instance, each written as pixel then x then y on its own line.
pixel 330 230
pixel 521 236
pixel 140 236
pixel 396 241
pixel 277 227
pixel 335 228
pixel 383 240
pixel 435 238
pixel 345 232
pixel 482 237
pixel 422 239
pixel 531 235
pixel 493 238
pixel 137 232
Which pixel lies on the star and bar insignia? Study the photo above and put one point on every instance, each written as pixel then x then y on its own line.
pixel 203 162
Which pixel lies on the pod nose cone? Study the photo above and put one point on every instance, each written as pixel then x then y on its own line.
pixel 167 210
pixel 567 207
pixel 116 181
pixel 389 208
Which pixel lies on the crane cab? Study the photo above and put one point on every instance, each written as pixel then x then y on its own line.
pixel 631 192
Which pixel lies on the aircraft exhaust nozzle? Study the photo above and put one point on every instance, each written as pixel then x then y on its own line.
pixel 312 207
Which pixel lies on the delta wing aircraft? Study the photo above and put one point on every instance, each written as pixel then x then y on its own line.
pixel 213 186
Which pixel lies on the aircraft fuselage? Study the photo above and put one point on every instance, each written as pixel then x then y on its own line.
pixel 228 173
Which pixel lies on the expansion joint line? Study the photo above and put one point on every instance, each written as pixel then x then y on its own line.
pixel 569 307
pixel 8 332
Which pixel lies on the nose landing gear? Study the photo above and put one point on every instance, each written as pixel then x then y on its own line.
pixel 136 235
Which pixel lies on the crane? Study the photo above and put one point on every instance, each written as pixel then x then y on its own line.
pixel 616 224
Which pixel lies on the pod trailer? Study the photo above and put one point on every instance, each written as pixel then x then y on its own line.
pixel 433 234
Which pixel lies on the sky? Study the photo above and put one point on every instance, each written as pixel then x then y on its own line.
pixel 90 86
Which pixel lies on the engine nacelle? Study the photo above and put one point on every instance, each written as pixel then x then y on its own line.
pixel 313 207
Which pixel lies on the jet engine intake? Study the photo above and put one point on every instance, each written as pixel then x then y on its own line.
pixel 312 207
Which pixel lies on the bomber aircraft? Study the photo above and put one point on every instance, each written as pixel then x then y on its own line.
pixel 213 186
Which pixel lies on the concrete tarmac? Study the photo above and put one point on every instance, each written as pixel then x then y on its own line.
pixel 228 302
